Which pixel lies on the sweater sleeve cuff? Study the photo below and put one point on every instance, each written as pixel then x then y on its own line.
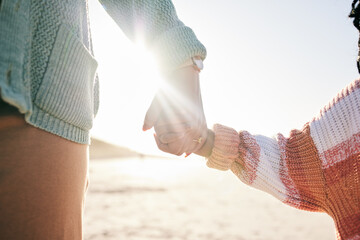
pixel 226 148
pixel 175 47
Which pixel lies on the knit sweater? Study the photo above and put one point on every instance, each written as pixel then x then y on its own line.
pixel 47 68
pixel 315 169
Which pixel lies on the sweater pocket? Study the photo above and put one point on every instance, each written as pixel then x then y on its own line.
pixel 67 89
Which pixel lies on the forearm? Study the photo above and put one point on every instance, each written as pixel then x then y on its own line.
pixel 295 169
pixel 157 25
pixel 271 165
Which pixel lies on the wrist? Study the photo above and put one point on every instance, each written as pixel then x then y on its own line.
pixel 195 62
pixel 206 149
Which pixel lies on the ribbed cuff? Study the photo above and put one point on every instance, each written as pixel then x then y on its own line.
pixel 225 150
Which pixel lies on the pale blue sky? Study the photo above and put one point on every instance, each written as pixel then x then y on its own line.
pixel 271 65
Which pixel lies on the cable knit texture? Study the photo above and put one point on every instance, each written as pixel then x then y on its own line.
pixel 47 68
pixel 315 169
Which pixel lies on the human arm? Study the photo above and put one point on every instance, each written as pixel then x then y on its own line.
pixel 315 168
pixel 156 24
pixel 277 166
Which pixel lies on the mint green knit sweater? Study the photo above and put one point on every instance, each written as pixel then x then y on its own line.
pixel 47 69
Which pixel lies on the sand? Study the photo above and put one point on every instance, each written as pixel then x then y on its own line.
pixel 181 199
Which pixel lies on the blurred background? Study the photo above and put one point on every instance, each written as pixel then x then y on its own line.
pixel 271 66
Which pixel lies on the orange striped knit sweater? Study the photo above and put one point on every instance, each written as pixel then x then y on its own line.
pixel 316 168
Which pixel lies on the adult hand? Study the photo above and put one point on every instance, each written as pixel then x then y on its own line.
pixel 177 114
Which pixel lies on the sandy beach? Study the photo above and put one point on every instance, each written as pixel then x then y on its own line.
pixel 182 199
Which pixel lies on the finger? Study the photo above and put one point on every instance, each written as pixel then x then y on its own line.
pixel 162 146
pixel 170 137
pixel 169 148
pixel 194 140
pixel 173 116
pixel 152 114
pixel 199 141
pixel 171 128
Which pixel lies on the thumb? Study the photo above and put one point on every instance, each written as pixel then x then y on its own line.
pixel 152 114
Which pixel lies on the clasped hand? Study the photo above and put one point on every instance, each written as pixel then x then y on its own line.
pixel 177 114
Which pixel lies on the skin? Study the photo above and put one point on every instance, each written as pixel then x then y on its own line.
pixel 207 148
pixel 177 115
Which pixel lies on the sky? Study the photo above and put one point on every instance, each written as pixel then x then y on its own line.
pixel 271 66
